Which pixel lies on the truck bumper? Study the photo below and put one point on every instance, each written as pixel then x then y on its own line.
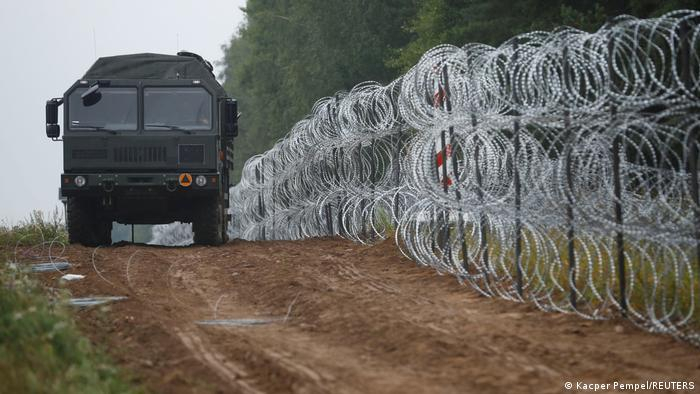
pixel 139 183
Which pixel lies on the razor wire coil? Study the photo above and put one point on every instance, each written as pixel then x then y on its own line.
pixel 560 168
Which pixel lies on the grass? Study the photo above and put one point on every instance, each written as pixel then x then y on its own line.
pixel 36 229
pixel 662 281
pixel 41 349
pixel 660 278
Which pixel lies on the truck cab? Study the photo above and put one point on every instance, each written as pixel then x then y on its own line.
pixel 148 139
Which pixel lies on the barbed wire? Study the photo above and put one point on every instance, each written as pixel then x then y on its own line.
pixel 560 168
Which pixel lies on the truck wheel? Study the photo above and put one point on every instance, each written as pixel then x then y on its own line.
pixel 83 225
pixel 224 234
pixel 207 224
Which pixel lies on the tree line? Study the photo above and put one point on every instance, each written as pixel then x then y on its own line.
pixel 289 53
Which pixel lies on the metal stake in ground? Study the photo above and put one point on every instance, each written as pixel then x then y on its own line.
pixel 570 235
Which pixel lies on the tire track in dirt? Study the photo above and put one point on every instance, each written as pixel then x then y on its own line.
pixel 353 319
pixel 228 371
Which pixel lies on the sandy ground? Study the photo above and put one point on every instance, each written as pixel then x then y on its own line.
pixel 345 318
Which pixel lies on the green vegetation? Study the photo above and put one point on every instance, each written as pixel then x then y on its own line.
pixel 655 284
pixel 37 228
pixel 41 349
pixel 288 54
pixel 493 22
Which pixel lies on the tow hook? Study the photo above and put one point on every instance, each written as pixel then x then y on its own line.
pixel 108 186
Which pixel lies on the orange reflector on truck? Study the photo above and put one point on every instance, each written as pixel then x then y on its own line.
pixel 185 179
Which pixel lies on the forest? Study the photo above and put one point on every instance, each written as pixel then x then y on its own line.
pixel 288 54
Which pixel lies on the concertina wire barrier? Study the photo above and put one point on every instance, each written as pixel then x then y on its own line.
pixel 560 168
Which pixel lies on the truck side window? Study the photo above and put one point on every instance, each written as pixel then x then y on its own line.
pixel 116 110
pixel 187 108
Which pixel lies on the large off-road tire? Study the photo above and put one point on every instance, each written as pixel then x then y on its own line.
pixel 207 224
pixel 85 225
pixel 224 233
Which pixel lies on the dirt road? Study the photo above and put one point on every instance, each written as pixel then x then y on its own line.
pixel 342 318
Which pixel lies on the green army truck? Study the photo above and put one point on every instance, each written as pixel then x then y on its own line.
pixel 148 139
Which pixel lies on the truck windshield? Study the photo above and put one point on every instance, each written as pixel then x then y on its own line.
pixel 177 108
pixel 116 110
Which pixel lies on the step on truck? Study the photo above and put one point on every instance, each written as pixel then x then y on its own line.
pixel 148 139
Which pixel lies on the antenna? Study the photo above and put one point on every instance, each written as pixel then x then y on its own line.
pixel 177 38
pixel 94 42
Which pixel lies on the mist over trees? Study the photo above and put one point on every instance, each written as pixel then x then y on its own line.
pixel 288 54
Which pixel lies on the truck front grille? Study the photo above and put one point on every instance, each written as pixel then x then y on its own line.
pixel 191 154
pixel 140 154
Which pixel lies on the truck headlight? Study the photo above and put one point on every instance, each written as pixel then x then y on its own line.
pixel 79 181
pixel 200 180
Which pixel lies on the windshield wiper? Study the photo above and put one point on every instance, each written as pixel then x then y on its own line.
pixel 93 127
pixel 169 126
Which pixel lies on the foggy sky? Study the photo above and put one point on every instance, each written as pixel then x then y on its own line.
pixel 46 45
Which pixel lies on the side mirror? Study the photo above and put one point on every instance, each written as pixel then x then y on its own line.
pixel 53 130
pixel 230 120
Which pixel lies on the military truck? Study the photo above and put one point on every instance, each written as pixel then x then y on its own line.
pixel 148 139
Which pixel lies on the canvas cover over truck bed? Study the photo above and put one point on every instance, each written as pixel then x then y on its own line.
pixel 150 66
